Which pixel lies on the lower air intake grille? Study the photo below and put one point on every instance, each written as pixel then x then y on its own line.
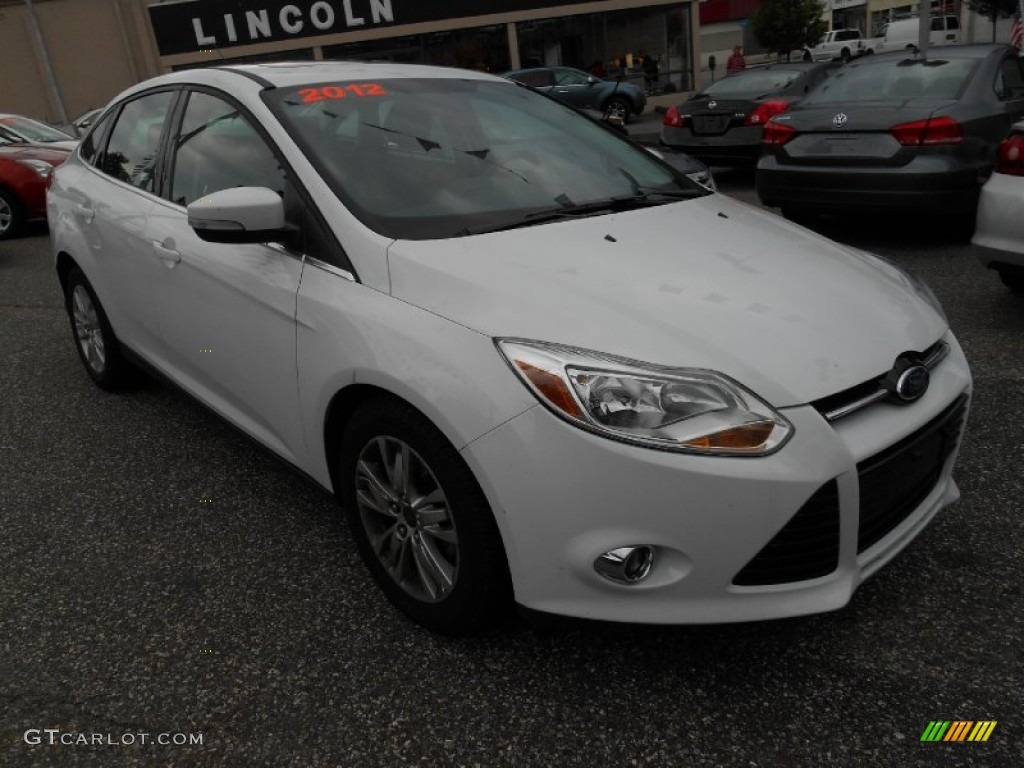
pixel 807 546
pixel 894 482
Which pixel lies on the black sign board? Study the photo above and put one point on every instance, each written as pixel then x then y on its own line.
pixel 198 25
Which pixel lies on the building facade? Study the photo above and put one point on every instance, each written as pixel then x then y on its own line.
pixel 59 58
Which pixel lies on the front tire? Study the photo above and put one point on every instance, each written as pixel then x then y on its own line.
pixel 618 108
pixel 421 522
pixel 845 55
pixel 98 347
pixel 12 216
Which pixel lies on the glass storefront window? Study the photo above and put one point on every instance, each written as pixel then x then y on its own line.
pixel 646 46
pixel 481 48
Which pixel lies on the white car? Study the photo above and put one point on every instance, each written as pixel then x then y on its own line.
pixel 999 232
pixel 535 363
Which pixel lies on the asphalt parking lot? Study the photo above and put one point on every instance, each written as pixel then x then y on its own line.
pixel 160 575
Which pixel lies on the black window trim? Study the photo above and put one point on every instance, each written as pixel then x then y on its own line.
pixel 339 256
pixel 115 112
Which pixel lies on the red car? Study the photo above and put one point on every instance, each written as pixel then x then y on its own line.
pixel 24 173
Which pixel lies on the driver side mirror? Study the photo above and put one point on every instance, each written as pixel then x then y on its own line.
pixel 239 215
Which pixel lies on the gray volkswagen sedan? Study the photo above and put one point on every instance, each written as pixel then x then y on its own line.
pixel 897 132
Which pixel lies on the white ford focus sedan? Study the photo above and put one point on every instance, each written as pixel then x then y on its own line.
pixel 536 365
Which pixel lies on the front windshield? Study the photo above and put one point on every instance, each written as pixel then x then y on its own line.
pixel 894 80
pixel 443 157
pixel 753 81
pixel 33 131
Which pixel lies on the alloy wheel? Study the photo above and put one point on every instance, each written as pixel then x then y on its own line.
pixel 6 215
pixel 87 329
pixel 406 516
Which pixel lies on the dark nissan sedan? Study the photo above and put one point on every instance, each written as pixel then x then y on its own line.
pixel 723 123
pixel 899 132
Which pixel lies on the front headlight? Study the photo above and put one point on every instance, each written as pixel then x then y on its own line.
pixel 42 168
pixel 676 409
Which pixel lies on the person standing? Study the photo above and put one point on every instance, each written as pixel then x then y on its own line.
pixel 650 67
pixel 736 62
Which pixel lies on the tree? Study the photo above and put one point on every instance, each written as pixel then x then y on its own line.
pixel 788 25
pixel 993 9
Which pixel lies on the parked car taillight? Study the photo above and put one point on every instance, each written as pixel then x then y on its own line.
pixel 928 132
pixel 673 119
pixel 766 110
pixel 1011 156
pixel 777 133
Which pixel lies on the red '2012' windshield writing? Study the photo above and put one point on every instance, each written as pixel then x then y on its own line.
pixel 312 95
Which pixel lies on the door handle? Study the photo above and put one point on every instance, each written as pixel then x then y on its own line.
pixel 85 212
pixel 168 255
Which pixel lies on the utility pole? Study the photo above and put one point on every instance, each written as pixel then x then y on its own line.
pixel 51 78
pixel 924 29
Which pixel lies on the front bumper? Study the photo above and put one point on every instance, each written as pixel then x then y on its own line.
pixel 562 497
pixel 999 234
pixel 933 189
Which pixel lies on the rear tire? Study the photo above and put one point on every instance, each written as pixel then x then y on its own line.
pixel 844 55
pixel 421 522
pixel 98 347
pixel 12 215
pixel 1013 278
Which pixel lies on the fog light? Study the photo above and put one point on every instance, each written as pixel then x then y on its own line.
pixel 626 565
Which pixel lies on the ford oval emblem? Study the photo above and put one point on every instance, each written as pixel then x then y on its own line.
pixel 839 120
pixel 712 104
pixel 912 383
pixel 907 380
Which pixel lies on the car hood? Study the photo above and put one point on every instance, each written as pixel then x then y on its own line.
pixel 35 152
pixel 709 283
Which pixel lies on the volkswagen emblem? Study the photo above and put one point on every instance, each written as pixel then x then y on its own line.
pixel 712 104
pixel 839 120
pixel 907 381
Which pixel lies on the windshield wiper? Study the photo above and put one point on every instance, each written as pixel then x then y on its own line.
pixel 583 210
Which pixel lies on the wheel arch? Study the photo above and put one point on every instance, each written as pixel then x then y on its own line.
pixel 65 263
pixel 346 402
pixel 342 405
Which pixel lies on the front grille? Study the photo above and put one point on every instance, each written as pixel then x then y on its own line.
pixel 807 546
pixel 862 395
pixel 894 482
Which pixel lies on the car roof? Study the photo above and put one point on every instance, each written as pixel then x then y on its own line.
pixel 292 73
pixel 786 65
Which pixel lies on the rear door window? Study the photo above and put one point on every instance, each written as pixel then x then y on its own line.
pixel 93 142
pixel 1009 77
pixel 134 144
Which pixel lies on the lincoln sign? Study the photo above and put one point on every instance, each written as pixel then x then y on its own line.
pixel 198 25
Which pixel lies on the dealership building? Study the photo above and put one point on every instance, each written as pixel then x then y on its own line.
pixel 59 58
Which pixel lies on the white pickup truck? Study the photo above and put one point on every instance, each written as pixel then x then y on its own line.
pixel 842 44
